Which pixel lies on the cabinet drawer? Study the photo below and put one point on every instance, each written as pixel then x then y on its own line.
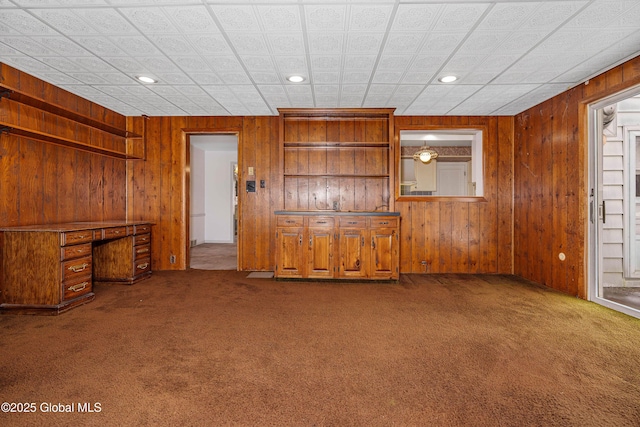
pixel 353 222
pixel 75 237
pixel 76 287
pixel 75 251
pixel 321 221
pixel 290 221
pixel 142 229
pixel 142 266
pixel 141 251
pixel 76 267
pixel 384 222
pixel 141 239
pixel 113 232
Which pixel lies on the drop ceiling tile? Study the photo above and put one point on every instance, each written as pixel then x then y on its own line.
pixel 303 90
pixel 234 78
pixel 505 16
pixel 58 78
pixel 483 41
pixel 387 77
pixel 280 17
pixel 326 43
pixel 404 42
pixel 369 17
pixel 125 64
pixel 106 21
pixel 24 23
pixel 416 16
pixel 552 14
pixel 24 62
pixel 261 77
pixel 323 77
pixel 99 46
pixel 326 90
pixel 354 89
pixel 288 65
pixel 174 78
pixel 326 62
pixel 61 64
pixel 191 64
pixel 65 21
pixel 417 77
pixel 351 101
pixel 225 63
pixel 191 19
pixel 6 50
pixel 135 45
pixel 210 44
pixel 236 18
pixel 158 64
pixel 149 19
pixel 601 13
pixel 325 17
pixel 444 42
pixel 258 63
pixel 363 43
pixel 173 44
pixel 115 78
pixel 26 46
pixel 61 46
pixel 460 16
pixel 205 78
pixel 355 76
pixel 365 62
pixel 249 43
pixel 286 43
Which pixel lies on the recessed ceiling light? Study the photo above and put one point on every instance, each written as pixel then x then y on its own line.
pixel 146 79
pixel 295 79
pixel 447 79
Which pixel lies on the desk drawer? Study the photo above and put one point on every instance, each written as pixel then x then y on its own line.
pixel 75 237
pixel 141 251
pixel 142 266
pixel 76 267
pixel 322 221
pixel 76 287
pixel 75 251
pixel 114 232
pixel 142 229
pixel 141 239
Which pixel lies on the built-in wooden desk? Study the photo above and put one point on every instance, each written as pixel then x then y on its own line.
pixel 48 269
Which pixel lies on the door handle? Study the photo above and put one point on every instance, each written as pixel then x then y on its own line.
pixel 604 211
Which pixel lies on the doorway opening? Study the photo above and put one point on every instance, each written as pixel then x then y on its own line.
pixel 614 202
pixel 213 207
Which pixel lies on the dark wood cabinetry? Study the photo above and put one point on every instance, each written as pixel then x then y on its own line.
pixel 366 248
pixel 48 269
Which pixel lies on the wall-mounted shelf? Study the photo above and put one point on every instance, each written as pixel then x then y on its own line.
pixel 40 104
pixel 50 122
pixel 32 134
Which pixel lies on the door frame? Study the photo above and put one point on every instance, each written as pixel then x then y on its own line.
pixel 186 134
pixel 595 199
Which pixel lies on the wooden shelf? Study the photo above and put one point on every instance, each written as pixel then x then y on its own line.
pixel 40 136
pixel 63 112
pixel 329 176
pixel 336 145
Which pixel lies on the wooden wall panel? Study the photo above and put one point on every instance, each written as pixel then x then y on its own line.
pixel 447 236
pixel 550 180
pixel 46 183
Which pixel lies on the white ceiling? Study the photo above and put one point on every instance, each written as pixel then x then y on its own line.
pixel 233 57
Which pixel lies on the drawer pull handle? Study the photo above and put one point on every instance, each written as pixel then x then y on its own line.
pixel 289 221
pixel 321 222
pixel 384 222
pixel 142 251
pixel 79 287
pixel 352 222
pixel 78 268
pixel 143 266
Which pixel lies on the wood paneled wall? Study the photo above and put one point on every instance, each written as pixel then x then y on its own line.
pixel 450 236
pixel 550 177
pixel 46 183
pixel 158 188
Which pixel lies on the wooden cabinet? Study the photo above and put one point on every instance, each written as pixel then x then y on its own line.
pixel 48 269
pixel 366 247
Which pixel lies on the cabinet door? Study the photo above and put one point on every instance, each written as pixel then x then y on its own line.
pixel 320 255
pixel 384 253
pixel 353 253
pixel 289 255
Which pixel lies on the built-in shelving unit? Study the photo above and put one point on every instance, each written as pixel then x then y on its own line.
pixel 337 159
pixel 55 124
